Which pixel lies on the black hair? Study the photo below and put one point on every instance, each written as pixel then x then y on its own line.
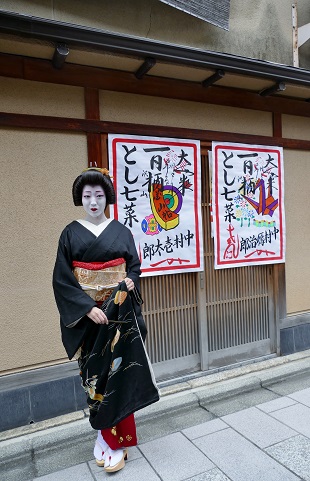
pixel 92 177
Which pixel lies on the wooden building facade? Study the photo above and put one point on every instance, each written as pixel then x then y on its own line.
pixel 64 86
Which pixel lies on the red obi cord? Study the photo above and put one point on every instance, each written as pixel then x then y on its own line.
pixel 122 435
pixel 96 266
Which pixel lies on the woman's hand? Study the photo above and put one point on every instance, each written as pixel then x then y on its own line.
pixel 97 316
pixel 129 283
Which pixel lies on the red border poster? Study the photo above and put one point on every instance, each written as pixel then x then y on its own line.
pixel 157 181
pixel 248 204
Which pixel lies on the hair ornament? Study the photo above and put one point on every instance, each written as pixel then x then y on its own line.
pixel 93 176
pixel 103 170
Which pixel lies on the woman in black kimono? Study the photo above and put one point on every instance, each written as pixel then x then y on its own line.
pixel 96 286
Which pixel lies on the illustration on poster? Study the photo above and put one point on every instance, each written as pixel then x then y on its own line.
pixel 159 197
pixel 248 194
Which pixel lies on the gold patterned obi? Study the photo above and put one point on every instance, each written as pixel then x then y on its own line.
pixel 98 279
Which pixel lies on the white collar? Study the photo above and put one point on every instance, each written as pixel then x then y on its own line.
pixel 95 229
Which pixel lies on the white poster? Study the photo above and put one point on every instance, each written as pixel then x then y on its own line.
pixel 157 182
pixel 248 204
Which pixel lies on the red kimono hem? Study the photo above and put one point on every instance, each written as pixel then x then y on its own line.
pixel 123 435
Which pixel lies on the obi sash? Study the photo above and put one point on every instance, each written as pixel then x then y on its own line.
pixel 98 279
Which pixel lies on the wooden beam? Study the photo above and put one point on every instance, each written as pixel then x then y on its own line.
pixel 106 79
pixel 11 66
pixel 41 122
pixel 49 123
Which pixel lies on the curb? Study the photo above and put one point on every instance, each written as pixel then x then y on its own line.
pixel 226 383
pixel 55 444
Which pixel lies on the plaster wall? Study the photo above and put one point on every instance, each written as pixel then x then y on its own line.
pixel 295 127
pixel 260 30
pixel 40 98
pixel 297 266
pixel 140 109
pixel 37 171
pixel 35 212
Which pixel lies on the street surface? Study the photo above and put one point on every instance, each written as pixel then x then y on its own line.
pixel 262 435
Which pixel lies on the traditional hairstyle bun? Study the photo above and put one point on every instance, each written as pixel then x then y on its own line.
pixel 93 176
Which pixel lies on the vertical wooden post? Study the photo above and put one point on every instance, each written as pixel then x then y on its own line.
pixel 201 276
pixel 279 300
pixel 202 321
pixel 277 124
pixel 279 286
pixel 91 97
pixel 92 112
pixel 104 150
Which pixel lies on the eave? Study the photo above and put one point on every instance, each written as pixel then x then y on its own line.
pixel 120 44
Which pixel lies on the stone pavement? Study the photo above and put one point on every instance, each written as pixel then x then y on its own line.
pixel 249 423
pixel 266 442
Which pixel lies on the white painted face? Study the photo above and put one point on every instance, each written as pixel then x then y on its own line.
pixel 94 200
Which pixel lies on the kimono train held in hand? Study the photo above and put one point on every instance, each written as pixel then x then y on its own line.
pixel 96 286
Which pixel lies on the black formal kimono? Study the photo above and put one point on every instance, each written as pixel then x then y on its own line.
pixel 115 370
pixel 77 243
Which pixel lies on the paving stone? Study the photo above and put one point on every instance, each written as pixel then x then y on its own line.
pixel 134 453
pixel 80 472
pixel 204 429
pixel 276 404
pixel 291 384
pixel 16 460
pixel 171 422
pixel 136 470
pixel 62 455
pixel 240 460
pixel 284 371
pixel 212 475
pixel 238 402
pixel 175 458
pixel 259 427
pixel 167 404
pixel 294 453
pixel 297 417
pixel 302 396
pixel 20 470
pixel 220 390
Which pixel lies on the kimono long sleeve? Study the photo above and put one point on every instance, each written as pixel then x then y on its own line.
pixel 73 304
pixel 133 263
